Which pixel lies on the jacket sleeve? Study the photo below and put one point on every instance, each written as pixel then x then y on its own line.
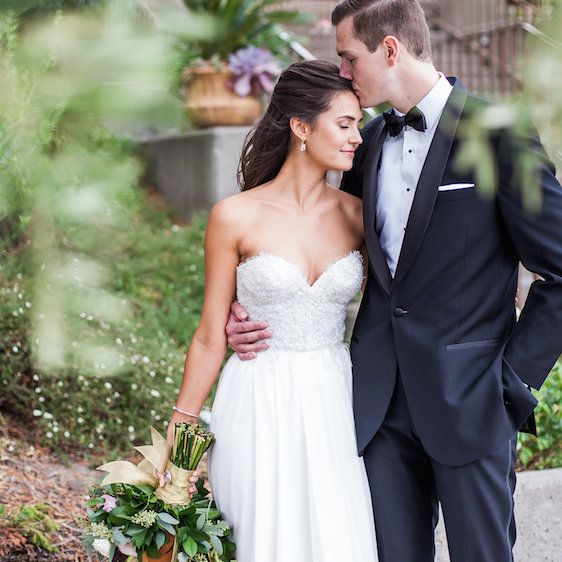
pixel 535 343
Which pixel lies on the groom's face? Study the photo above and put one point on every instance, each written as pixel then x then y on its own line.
pixel 366 70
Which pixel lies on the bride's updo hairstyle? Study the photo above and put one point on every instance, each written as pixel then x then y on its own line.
pixel 304 91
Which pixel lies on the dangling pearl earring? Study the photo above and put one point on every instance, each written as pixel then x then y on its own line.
pixel 303 146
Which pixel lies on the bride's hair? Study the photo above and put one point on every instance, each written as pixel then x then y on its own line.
pixel 304 91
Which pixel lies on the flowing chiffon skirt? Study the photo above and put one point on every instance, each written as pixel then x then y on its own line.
pixel 284 469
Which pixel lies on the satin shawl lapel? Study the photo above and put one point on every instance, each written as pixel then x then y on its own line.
pixel 377 259
pixel 430 179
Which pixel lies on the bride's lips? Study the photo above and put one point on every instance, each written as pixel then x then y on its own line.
pixel 349 152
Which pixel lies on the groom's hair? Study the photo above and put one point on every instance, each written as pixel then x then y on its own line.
pixel 373 20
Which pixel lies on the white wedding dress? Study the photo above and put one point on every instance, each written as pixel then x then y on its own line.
pixel 284 469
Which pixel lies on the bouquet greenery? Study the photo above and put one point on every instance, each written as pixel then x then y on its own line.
pixel 144 511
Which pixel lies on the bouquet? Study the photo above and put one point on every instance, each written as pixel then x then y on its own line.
pixel 144 512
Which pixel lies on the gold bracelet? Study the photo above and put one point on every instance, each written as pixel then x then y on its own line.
pixel 176 409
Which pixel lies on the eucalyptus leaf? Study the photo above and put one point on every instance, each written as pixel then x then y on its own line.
pixel 119 537
pixel 217 544
pixel 167 518
pixel 160 539
pixel 168 527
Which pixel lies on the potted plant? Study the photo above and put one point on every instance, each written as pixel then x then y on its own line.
pixel 226 69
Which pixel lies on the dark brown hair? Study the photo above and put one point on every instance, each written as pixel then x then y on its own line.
pixel 373 20
pixel 304 91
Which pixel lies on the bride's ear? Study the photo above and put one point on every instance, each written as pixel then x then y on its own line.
pixel 299 128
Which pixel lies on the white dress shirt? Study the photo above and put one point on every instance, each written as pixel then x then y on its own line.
pixel 402 160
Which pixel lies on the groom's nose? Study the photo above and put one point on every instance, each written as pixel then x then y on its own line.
pixel 345 70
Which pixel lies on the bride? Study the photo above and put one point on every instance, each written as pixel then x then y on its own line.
pixel 284 469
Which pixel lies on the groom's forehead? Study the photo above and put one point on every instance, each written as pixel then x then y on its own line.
pixel 346 40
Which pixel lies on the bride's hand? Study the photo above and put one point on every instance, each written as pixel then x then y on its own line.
pixel 178 417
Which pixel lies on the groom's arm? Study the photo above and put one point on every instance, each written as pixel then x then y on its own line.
pixel 535 343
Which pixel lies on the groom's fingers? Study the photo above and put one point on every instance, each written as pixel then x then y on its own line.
pixel 238 311
pixel 251 347
pixel 246 356
pixel 246 333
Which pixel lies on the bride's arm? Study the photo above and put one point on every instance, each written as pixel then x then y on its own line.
pixel 209 343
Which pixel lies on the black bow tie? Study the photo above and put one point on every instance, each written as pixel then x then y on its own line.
pixel 395 123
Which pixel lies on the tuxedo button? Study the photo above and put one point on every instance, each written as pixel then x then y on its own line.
pixel 399 312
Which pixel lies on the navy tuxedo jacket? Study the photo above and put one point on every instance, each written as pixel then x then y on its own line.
pixel 446 321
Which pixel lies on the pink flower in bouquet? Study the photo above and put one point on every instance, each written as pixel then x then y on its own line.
pixel 128 549
pixel 254 70
pixel 109 503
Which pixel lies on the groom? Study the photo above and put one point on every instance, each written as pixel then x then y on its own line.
pixel 441 369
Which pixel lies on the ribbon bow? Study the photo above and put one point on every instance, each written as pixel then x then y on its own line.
pixel 171 483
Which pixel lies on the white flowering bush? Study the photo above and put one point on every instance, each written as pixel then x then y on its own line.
pixel 99 293
pixel 159 272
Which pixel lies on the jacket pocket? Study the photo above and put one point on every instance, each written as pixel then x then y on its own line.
pixel 469 344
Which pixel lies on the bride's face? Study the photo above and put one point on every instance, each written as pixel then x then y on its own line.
pixel 333 139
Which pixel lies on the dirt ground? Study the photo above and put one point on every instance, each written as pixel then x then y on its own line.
pixel 30 475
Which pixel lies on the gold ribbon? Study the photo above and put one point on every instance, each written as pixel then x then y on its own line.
pixel 176 491
pixel 156 461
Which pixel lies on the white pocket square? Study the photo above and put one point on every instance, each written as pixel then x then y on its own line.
pixel 453 186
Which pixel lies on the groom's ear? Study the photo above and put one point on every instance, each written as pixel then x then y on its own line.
pixel 391 46
pixel 299 128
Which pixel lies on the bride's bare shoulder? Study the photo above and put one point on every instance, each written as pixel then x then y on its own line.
pixel 238 209
pixel 352 206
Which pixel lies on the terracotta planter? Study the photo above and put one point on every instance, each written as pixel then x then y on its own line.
pixel 165 552
pixel 210 103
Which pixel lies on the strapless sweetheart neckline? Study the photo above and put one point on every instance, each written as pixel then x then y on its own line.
pixel 298 268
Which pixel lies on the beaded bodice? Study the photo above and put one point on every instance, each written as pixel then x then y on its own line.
pixel 301 316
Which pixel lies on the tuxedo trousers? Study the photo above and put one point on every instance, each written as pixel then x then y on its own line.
pixel 407 487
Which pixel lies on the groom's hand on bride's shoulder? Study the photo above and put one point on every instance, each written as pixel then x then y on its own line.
pixel 246 337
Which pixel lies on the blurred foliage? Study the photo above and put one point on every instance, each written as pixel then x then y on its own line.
pixel 158 268
pixel 89 316
pixel 545 450
pixel 537 107
pixel 65 183
pixel 235 24
pixel 27 9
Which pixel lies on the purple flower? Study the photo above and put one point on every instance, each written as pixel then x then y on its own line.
pixel 109 503
pixel 254 70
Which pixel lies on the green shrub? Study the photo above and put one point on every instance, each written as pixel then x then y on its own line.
pixel 545 450
pixel 32 521
pixel 158 270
